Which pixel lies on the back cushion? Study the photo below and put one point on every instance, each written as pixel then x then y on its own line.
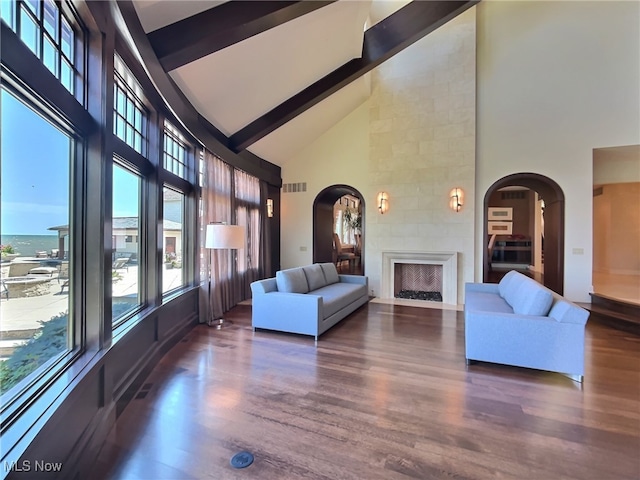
pixel 525 295
pixel 507 284
pixel 315 276
pixel 563 311
pixel 330 273
pixel 292 280
pixel 534 300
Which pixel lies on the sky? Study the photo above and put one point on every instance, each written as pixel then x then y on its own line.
pixel 35 173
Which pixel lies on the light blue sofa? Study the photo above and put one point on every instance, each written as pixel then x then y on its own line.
pixel 307 300
pixel 522 323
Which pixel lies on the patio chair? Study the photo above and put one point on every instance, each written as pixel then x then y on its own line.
pixel 63 275
pixel 121 263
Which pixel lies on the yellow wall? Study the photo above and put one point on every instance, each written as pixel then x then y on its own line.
pixel 616 232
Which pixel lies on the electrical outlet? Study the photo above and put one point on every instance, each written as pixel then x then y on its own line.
pixel 303 249
pixel 578 251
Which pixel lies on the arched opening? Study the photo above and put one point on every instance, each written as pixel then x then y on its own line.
pixel 553 197
pixel 324 219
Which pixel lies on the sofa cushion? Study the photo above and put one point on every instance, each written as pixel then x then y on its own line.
pixel 315 276
pixel 330 273
pixel 292 280
pixel 486 302
pixel 338 295
pixel 509 285
pixel 534 301
pixel 525 295
pixel 564 311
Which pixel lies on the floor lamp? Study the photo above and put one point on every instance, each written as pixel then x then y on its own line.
pixel 220 236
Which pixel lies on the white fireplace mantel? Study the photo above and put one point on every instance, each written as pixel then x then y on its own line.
pixel 448 260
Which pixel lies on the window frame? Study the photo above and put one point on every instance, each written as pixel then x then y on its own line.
pixel 66 14
pixel 90 121
pixel 27 391
pixel 180 143
pixel 139 105
pixel 142 258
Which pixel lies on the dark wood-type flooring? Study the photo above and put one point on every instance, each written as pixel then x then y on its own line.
pixel 385 394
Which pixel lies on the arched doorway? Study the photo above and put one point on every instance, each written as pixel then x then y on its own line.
pixel 551 193
pixel 323 221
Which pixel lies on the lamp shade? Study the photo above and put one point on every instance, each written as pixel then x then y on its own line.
pixel 220 236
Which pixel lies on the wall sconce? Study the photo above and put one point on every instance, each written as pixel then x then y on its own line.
pixel 383 202
pixel 456 199
pixel 269 207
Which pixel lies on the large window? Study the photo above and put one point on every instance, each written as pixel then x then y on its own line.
pixel 173 239
pixel 175 151
pixel 125 233
pixel 129 115
pixel 34 226
pixel 48 33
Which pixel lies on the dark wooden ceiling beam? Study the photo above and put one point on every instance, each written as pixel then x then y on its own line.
pixel 207 32
pixel 381 42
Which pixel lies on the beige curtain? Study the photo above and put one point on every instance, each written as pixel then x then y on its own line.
pixel 234 197
pixel 248 211
pixel 218 265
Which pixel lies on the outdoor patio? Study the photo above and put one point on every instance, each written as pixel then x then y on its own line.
pixel 20 317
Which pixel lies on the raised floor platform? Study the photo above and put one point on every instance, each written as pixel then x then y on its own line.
pixel 614 312
pixel 616 300
pixel 625 288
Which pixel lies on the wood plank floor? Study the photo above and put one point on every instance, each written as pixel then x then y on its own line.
pixel 385 395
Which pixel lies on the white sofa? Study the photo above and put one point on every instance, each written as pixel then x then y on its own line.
pixel 522 323
pixel 306 300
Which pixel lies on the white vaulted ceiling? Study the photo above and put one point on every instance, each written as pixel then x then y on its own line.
pixel 238 84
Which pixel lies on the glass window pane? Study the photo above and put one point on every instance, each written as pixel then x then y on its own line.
pixel 67 39
pixel 126 285
pixel 120 128
pixel 34 226
pixel 129 135
pixel 121 100
pixel 138 120
pixel 130 114
pixel 137 143
pixel 66 76
pixel 51 19
pixel 29 32
pixel 34 6
pixel 50 59
pixel 172 272
pixel 8 12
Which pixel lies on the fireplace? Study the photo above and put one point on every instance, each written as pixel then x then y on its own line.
pixel 417 281
pixel 419 272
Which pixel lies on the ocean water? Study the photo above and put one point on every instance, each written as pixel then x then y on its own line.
pixel 28 245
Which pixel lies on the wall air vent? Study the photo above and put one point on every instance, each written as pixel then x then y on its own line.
pixel 294 187
pixel 513 195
